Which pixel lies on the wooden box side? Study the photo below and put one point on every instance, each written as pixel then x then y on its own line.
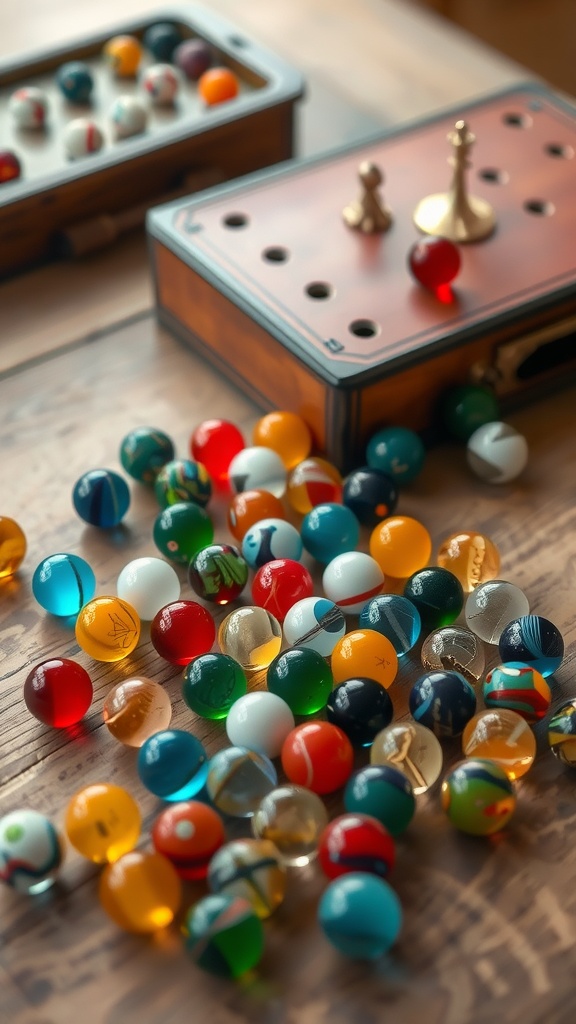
pixel 238 346
pixel 32 230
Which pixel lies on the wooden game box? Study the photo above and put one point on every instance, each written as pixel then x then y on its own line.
pixel 265 279
pixel 70 205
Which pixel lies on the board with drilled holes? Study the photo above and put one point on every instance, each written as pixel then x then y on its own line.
pixel 266 279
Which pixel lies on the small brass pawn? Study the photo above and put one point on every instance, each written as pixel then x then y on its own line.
pixel 368 213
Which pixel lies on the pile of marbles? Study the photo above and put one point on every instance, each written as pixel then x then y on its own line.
pixel 300 647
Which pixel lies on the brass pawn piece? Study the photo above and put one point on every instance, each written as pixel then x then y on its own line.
pixel 455 214
pixel 368 213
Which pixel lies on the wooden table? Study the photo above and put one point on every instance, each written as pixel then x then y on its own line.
pixel 489 925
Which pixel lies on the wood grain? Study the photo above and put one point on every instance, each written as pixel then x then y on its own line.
pixel 489 925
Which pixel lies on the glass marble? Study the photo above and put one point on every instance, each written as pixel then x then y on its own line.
pixel 258 468
pixel 31 851
pixel 395 617
pixel 218 85
pixel 401 546
pixel 58 692
pixel 398 452
pixel 141 892
pixel 188 834
pixel 193 57
pixel 182 480
pixel 434 262
pixel 224 935
pixel 383 792
pixel 259 721
pixel 351 579
pixel 302 677
pixel 250 507
pixel 329 530
pixel 478 797
pixel 286 433
pixel 364 652
pixel 12 546
pixel 82 136
pixel 502 736
pixel 103 822
pixel 144 451
pixel 148 584
pixel 562 733
pixel 181 530
pixel 533 640
pixel 238 779
pixel 269 539
pixel 455 648
pixel 361 708
pixel 107 628
pixel 319 756
pixel 293 818
pixel 437 594
pixel 63 583
pixel 442 701
pixel 356 842
pixel 173 765
pixel 212 683
pixel 518 687
pixel 181 631
pixel 101 498
pixel 497 452
pixel 135 709
pixel 250 635
pixel 279 584
pixel 10 166
pixel 370 494
pixel 218 573
pixel 312 482
pixel 214 443
pixel 472 557
pixel 360 915
pixel 413 749
pixel 162 39
pixel 467 407
pixel 28 108
pixel 252 869
pixel 123 54
pixel 491 606
pixel 162 84
pixel 314 623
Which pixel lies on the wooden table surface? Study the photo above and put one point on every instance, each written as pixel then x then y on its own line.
pixel 490 925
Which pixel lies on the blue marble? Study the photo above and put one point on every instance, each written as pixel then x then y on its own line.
pixel 385 793
pixel 533 640
pixel 173 765
pixel 360 915
pixel 101 497
pixel 396 618
pixel 63 584
pixel 329 530
pixel 398 452
pixel 75 81
pixel 443 701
